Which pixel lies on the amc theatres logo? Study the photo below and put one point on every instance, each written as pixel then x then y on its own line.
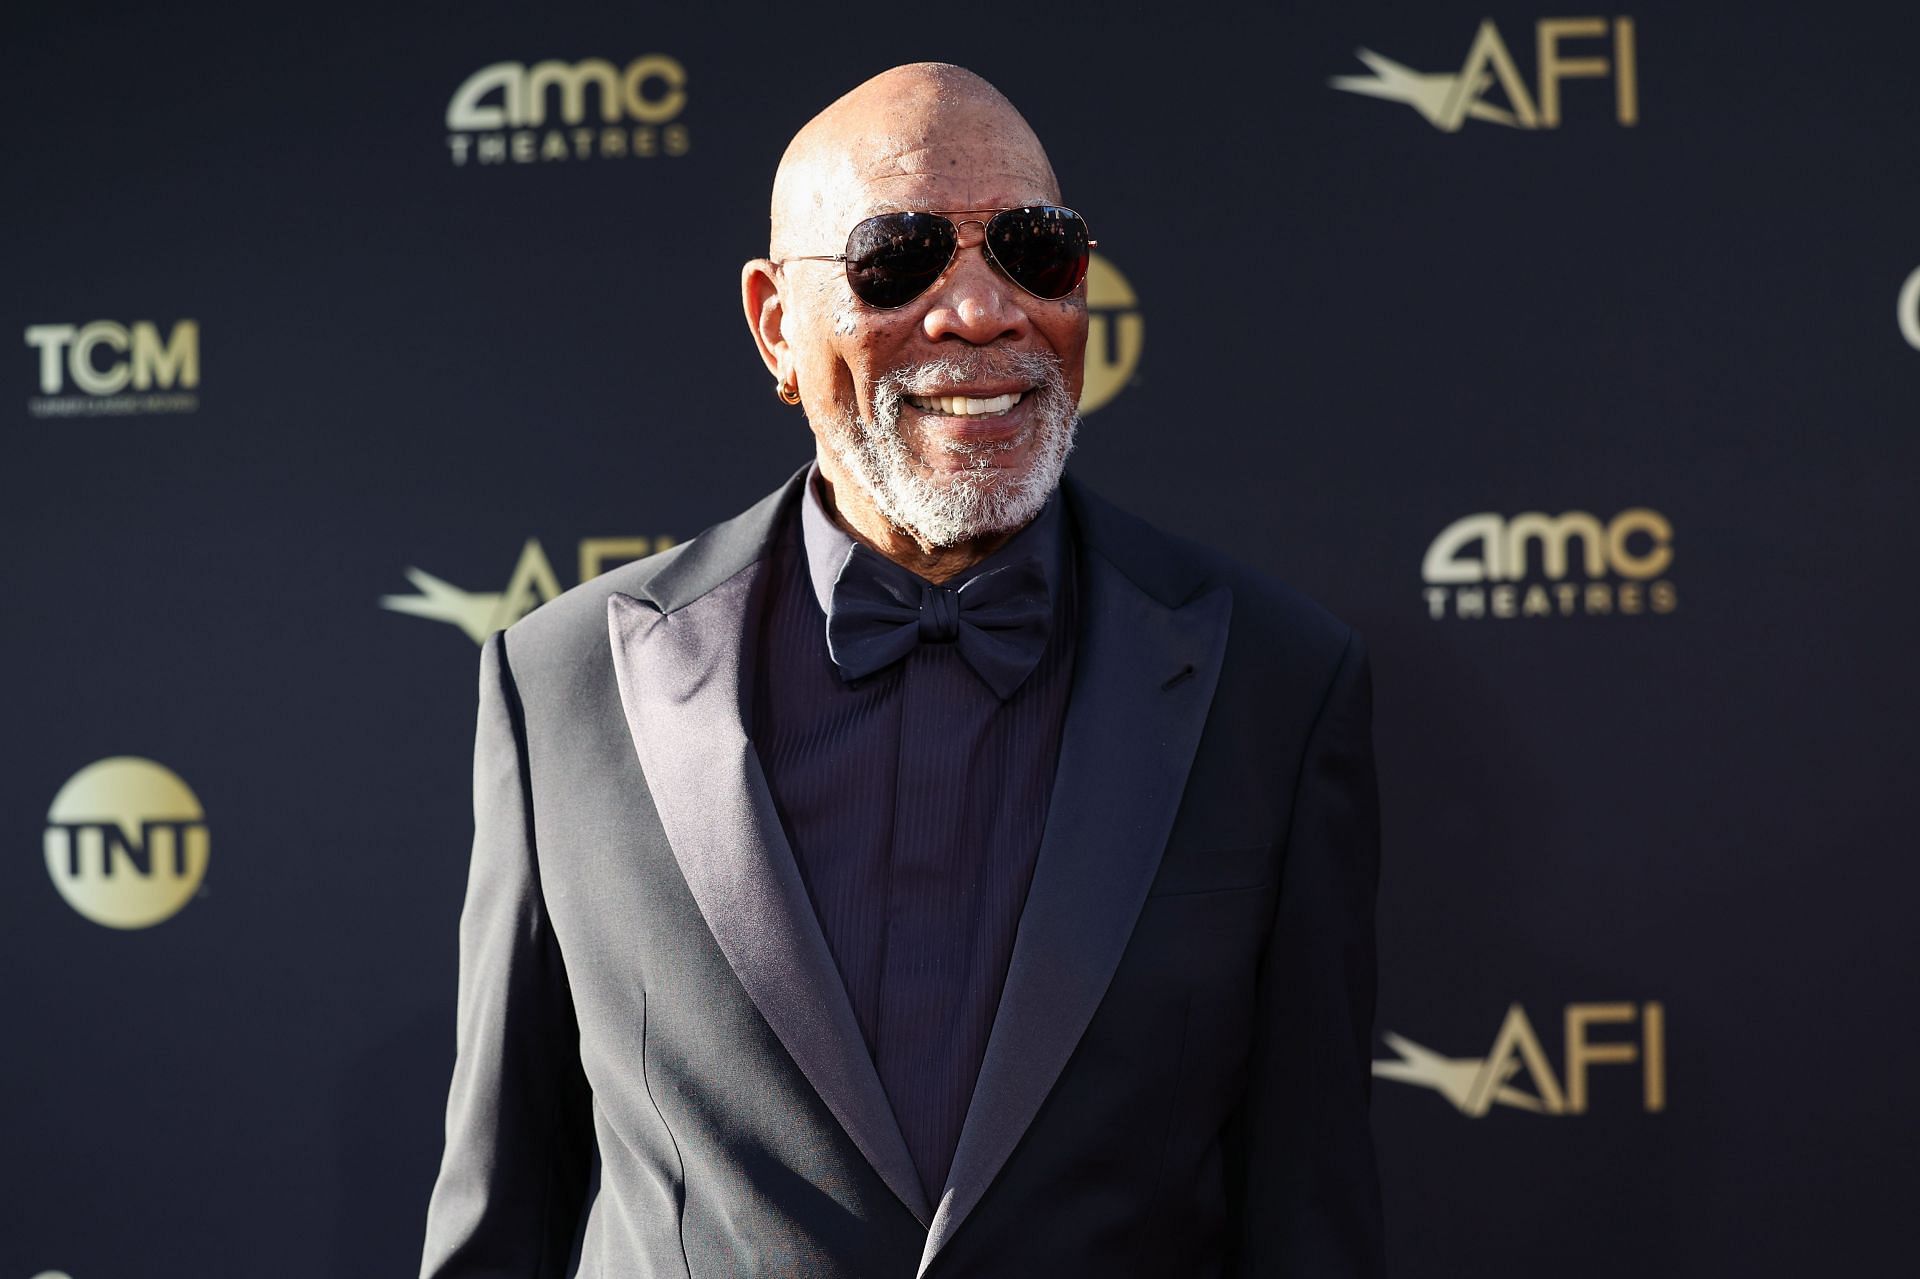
pixel 1539 565
pixel 586 110
pixel 1446 100
pixel 105 362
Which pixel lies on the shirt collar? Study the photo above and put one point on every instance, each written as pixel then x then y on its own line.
pixel 828 546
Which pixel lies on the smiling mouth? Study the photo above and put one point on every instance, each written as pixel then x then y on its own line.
pixel 966 405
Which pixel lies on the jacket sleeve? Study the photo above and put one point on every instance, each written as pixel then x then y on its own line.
pixel 514 1175
pixel 1311 1201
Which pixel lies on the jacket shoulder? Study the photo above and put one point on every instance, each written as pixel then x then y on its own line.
pixel 1273 610
pixel 564 642
pixel 569 631
pixel 1175 569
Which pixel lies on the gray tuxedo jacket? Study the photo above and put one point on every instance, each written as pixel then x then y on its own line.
pixel 659 1072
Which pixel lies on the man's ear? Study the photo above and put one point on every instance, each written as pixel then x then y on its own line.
pixel 766 316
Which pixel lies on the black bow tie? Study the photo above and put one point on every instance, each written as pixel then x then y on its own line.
pixel 998 620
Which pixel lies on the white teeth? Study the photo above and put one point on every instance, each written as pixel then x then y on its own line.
pixel 965 405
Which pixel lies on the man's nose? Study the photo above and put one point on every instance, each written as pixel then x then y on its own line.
pixel 973 301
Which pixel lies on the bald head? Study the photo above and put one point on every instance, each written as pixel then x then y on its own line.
pixel 941 422
pixel 881 143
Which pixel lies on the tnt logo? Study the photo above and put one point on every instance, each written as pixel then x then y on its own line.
pixel 1638 1036
pixel 105 359
pixel 500 112
pixel 1115 333
pixel 126 842
pixel 1447 100
pixel 1487 565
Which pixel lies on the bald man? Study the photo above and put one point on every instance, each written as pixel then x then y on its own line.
pixel 932 870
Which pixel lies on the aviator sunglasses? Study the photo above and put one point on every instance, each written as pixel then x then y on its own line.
pixel 892 258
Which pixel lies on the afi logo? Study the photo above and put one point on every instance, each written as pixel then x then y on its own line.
pixel 481 613
pixel 133 355
pixel 1447 100
pixel 1477 1084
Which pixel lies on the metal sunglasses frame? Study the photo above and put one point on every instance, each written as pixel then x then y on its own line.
pixel 954 219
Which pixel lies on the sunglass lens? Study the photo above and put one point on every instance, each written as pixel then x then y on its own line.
pixel 1043 249
pixel 895 257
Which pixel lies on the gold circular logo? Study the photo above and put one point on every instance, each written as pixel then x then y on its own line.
pixel 126 842
pixel 1115 332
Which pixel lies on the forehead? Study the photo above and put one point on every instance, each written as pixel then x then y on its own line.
pixel 968 172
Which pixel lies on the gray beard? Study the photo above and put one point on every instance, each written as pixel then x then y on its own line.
pixel 971 503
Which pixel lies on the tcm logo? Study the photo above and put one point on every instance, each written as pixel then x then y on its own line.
pixel 481 613
pixel 1115 333
pixel 1448 99
pixel 569 111
pixel 126 842
pixel 1538 565
pixel 1907 310
pixel 104 360
pixel 1516 1072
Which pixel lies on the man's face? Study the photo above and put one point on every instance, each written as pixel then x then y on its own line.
pixel 912 403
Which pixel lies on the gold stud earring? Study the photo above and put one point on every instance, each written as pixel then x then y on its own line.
pixel 788 393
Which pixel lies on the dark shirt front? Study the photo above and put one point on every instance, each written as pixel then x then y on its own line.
pixel 914 800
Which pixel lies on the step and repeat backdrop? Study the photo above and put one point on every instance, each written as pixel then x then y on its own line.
pixel 1573 355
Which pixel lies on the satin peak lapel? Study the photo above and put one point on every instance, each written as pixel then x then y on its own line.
pixel 683 680
pixel 1143 683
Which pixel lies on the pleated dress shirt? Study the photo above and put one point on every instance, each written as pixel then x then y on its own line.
pixel 914 800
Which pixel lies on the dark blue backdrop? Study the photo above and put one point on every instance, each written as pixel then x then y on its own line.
pixel 1684 831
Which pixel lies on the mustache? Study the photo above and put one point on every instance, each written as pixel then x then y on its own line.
pixel 933 377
